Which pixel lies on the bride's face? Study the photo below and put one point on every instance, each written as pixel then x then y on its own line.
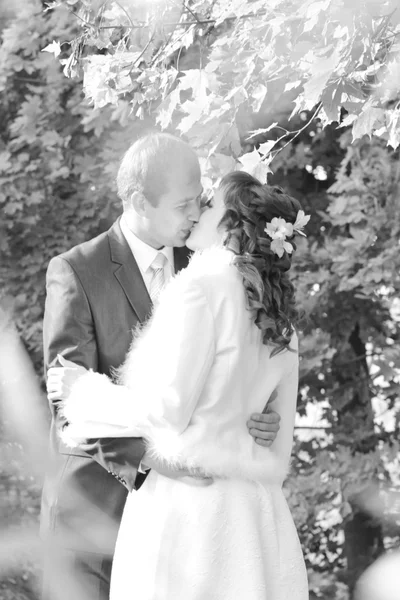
pixel 207 233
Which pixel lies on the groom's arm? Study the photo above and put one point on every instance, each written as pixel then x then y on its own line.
pixel 264 427
pixel 68 329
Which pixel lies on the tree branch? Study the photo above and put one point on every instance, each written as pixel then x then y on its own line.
pixel 321 427
pixel 144 25
pixel 191 12
pixel 161 50
pixel 186 7
pixel 83 20
pixel 181 23
pixel 137 61
pixel 126 13
pixel 27 80
pixel 297 133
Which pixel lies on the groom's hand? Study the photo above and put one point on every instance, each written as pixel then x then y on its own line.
pixel 264 427
pixel 61 379
pixel 184 475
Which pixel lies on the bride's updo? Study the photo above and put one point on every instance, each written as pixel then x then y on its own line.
pixel 250 205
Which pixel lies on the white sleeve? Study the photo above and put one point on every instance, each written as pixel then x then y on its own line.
pixel 164 374
pixel 285 404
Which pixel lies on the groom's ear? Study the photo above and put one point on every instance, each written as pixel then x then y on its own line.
pixel 139 203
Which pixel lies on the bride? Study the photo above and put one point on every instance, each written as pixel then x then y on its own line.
pixel 220 341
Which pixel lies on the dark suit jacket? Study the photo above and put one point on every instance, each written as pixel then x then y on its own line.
pixel 95 298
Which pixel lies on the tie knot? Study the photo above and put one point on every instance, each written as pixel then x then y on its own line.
pixel 159 261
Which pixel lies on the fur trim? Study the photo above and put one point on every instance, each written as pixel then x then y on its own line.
pixel 215 459
pixel 98 408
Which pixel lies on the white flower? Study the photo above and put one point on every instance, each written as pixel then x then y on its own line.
pixel 278 229
pixel 301 221
pixel 279 246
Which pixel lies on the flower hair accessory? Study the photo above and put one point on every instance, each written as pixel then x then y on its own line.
pixel 279 230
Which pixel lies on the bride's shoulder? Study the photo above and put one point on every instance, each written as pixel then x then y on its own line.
pixel 209 273
pixel 215 262
pixel 211 269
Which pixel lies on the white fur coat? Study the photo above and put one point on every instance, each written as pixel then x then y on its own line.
pixel 192 378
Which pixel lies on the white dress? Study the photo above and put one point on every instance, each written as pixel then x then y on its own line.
pixel 193 377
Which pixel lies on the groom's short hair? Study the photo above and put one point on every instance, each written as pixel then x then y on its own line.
pixel 150 162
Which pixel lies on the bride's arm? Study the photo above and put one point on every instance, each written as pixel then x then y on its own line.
pixel 163 375
pixel 285 404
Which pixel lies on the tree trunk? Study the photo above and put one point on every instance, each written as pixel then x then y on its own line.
pixel 363 542
pixel 363 539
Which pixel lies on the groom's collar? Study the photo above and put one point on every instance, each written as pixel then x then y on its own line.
pixel 119 248
pixel 143 253
pixel 121 252
pixel 128 273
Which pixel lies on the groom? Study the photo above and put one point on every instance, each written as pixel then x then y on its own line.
pixel 97 293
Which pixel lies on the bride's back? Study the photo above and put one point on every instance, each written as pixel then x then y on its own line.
pixel 242 378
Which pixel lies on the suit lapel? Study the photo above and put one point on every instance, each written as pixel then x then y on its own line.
pixel 128 273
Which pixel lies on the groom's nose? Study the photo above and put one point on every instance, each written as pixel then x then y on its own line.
pixel 195 210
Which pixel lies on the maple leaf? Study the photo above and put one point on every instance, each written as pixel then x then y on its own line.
pixel 253 164
pixel 389 80
pixel 311 12
pixel 321 72
pixel 258 96
pixel 266 147
pixel 54 48
pixel 199 81
pixel 394 128
pixel 369 119
pixel 167 107
pixel 249 161
pixel 261 171
pixel 331 100
pixel 194 110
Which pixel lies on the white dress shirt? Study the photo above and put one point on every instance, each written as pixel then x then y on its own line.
pixel 145 254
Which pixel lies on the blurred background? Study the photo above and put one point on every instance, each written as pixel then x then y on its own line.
pixel 307 95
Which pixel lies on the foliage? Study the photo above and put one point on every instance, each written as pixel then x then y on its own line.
pixel 255 85
pixel 19 509
pixel 201 66
pixel 347 279
pixel 53 163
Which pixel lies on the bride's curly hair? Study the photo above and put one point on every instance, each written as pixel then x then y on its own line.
pixel 250 205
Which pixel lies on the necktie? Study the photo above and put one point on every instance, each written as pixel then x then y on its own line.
pixel 158 279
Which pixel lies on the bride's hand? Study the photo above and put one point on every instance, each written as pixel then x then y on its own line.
pixel 61 379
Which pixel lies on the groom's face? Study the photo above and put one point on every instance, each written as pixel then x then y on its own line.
pixel 172 218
